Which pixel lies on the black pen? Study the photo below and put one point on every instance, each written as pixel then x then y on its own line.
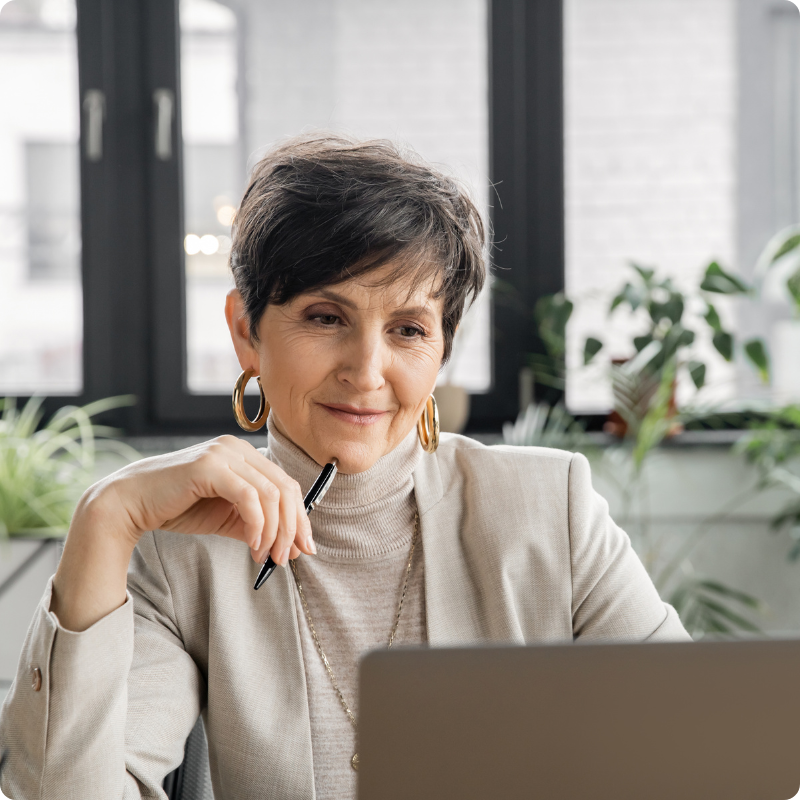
pixel 315 494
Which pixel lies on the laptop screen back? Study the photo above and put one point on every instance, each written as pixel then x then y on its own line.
pixel 655 721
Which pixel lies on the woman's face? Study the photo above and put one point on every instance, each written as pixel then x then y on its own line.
pixel 346 368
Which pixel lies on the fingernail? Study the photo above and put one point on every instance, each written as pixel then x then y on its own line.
pixel 311 546
pixel 284 559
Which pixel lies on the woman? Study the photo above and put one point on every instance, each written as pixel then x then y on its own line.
pixel 353 264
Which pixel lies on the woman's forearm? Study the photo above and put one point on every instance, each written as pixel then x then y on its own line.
pixel 91 578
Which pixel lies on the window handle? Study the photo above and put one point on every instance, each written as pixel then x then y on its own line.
pixel 94 109
pixel 164 102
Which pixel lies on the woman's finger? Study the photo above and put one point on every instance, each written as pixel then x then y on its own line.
pixel 270 498
pixel 281 517
pixel 302 529
pixel 221 481
pixel 288 528
pixel 292 528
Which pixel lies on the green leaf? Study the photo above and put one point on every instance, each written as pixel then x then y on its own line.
pixel 640 342
pixel 630 294
pixel 757 353
pixel 672 309
pixel 676 338
pixel 723 341
pixel 793 285
pixel 789 515
pixel 685 337
pixel 712 318
pixel 721 282
pixel 646 274
pixel 548 371
pixel 617 301
pixel 708 606
pixel 552 314
pixel 44 468
pixel 792 243
pixel 547 426
pixel 591 348
pixel 716 587
pixel 697 372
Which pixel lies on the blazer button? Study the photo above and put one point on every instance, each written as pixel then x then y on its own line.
pixel 36 679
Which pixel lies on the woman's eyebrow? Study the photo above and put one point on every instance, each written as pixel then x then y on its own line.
pixel 337 298
pixel 414 311
pixel 422 311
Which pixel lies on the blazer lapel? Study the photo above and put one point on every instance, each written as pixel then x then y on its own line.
pixel 452 604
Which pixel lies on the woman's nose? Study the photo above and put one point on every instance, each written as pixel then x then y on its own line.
pixel 365 362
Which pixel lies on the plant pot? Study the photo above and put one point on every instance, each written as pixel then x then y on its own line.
pixel 453 404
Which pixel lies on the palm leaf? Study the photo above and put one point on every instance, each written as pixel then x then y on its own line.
pixel 711 607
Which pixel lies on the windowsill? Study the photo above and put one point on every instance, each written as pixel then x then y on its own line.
pixel 715 439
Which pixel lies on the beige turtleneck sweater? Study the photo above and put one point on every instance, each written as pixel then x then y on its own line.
pixel 363 529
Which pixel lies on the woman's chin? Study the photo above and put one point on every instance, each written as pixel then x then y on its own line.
pixel 354 458
pixel 351 457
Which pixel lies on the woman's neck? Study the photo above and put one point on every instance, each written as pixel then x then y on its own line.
pixel 363 515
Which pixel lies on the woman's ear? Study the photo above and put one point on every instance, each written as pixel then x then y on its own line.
pixel 239 327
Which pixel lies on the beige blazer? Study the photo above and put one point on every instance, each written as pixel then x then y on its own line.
pixel 518 548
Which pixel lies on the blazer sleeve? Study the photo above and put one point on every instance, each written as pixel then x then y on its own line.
pixel 104 712
pixel 612 594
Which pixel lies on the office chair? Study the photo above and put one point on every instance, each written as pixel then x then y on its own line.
pixel 192 779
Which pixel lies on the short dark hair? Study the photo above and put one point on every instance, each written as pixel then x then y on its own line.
pixel 322 208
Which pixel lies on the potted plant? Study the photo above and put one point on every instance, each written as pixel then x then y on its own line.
pixel 667 340
pixel 645 412
pixel 45 468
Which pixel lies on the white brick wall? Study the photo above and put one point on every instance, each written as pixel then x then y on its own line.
pixel 650 135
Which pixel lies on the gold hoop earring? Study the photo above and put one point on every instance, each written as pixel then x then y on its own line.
pixel 428 426
pixel 238 404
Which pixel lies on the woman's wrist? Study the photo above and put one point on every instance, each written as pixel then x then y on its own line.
pixel 91 580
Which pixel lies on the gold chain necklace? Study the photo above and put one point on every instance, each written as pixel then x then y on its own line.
pixel 326 663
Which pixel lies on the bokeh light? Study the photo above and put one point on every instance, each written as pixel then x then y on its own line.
pixel 225 215
pixel 191 244
pixel 209 244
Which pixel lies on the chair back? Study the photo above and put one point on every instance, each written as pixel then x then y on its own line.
pixel 192 779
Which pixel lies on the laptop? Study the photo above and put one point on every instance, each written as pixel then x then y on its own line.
pixel 625 721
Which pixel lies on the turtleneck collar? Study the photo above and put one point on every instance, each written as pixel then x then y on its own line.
pixel 367 514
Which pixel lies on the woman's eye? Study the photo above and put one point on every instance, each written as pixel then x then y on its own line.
pixel 328 319
pixel 409 332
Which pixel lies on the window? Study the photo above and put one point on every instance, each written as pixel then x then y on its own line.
pixel 681 122
pixel 408 70
pixel 650 135
pixel 784 332
pixel 40 241
pixel 113 255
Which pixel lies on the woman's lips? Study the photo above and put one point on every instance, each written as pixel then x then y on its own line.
pixel 353 414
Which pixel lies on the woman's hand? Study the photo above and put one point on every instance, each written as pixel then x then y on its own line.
pixel 225 487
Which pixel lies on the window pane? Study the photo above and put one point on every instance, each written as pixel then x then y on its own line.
pixel 784 36
pixel 41 326
pixel 408 70
pixel 650 114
